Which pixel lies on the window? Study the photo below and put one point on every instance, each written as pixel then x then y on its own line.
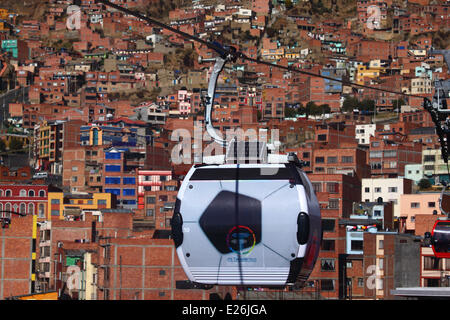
pixel 317 186
pixel 112 168
pixel 30 208
pixel 377 189
pixel 23 208
pixel 415 205
pixel 41 210
pixel 332 159
pixel 112 155
pixel 390 153
pixel 328 225
pixel 54 201
pixel 356 245
pixel 360 282
pixel 332 187
pixel 129 180
pixel 23 193
pixel 101 202
pixel 113 191
pixel 54 212
pixel 347 159
pixel 41 193
pixel 375 154
pixel 150 213
pixel 366 189
pixel 430 158
pixel 432 263
pixel 327 265
pixel 151 200
pixel 380 244
pixel 112 180
pixel 431 204
pixel 392 189
pixel 31 193
pixel 129 192
pixel 320 159
pixel 333 203
pixel 327 285
pixel 328 245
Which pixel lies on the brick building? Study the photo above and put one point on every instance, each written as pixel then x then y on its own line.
pixel 336 195
pixel 124 265
pixel 18 255
pixel 25 199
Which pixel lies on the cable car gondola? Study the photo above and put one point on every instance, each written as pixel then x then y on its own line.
pixel 246 223
pixel 440 236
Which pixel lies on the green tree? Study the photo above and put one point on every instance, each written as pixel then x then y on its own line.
pixel 350 103
pixel 310 109
pixel 290 112
pixel 366 105
pixel 424 184
pixel 324 109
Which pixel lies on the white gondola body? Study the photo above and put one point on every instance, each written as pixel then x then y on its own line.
pixel 256 245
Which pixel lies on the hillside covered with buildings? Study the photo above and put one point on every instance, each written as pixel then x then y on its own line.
pixel 91 106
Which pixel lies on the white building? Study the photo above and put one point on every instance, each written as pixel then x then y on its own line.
pixel 414 172
pixel 363 132
pixel 389 189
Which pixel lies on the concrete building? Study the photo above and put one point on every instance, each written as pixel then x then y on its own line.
pixel 392 260
pixel 411 205
pixel 414 172
pixel 363 132
pixel 388 189
pixel 434 272
pixel 68 206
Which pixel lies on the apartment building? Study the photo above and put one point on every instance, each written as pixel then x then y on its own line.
pixel 51 138
pixel 336 195
pixel 100 257
pixel 62 206
pixel 363 132
pixel 24 199
pixel 434 272
pixel 344 160
pixel 388 189
pixel 411 205
pixel 18 238
pixel 391 260
pixel 389 153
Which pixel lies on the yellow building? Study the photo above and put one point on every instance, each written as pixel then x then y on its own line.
pixel 64 205
pixel 373 70
pixel 272 54
pixel 4 14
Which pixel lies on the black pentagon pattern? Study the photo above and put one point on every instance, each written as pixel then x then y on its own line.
pixel 220 219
